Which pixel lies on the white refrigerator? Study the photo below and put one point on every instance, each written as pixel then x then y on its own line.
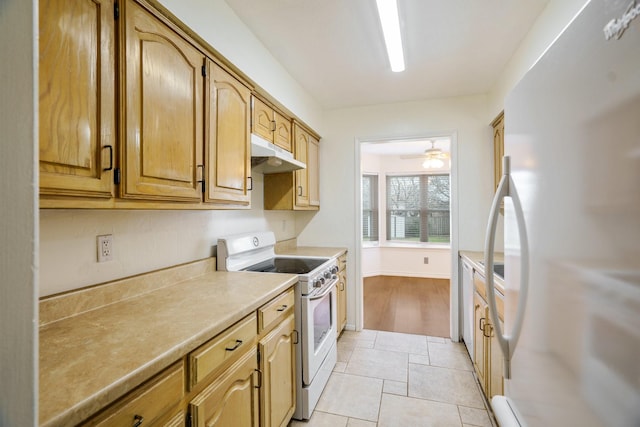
pixel 572 228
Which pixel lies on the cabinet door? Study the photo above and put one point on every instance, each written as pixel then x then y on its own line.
pixel 342 299
pixel 262 119
pixel 232 399
pixel 480 316
pixel 496 365
pixel 301 175
pixel 163 110
pixel 313 171
pixel 229 143
pixel 278 366
pixel 282 134
pixel 76 97
pixel 498 148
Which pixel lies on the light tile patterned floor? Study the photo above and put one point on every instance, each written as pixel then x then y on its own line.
pixel 388 379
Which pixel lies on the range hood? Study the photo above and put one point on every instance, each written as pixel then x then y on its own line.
pixel 266 157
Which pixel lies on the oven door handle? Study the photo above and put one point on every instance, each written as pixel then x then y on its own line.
pixel 325 292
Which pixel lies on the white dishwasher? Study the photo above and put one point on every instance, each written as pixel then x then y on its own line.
pixel 467 306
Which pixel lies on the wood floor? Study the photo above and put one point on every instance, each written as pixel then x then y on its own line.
pixel 407 304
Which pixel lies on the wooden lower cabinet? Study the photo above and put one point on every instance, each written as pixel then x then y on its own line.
pixel 480 316
pixel 278 367
pixel 232 399
pixel 487 355
pixel 153 403
pixel 342 292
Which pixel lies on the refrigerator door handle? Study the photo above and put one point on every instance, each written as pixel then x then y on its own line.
pixel 507 188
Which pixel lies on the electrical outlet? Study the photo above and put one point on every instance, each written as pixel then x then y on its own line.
pixel 105 248
pixel 426 260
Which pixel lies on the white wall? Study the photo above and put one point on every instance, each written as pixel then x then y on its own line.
pixel 18 219
pixel 334 224
pixel 148 240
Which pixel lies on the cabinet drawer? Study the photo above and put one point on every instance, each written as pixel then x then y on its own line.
pixel 273 311
pixel 147 403
pixel 226 346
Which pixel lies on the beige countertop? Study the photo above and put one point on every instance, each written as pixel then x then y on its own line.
pixel 92 358
pixel 314 251
pixel 475 257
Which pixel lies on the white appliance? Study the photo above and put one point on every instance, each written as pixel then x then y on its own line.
pixel 315 308
pixel 572 229
pixel 467 303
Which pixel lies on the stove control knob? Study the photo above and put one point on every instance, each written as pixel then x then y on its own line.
pixel 334 269
pixel 316 283
pixel 327 274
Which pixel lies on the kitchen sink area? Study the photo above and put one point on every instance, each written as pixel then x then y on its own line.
pixel 498 268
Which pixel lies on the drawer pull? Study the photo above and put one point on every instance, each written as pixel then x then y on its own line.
pixel 137 420
pixel 238 344
pixel 481 324
pixel 282 308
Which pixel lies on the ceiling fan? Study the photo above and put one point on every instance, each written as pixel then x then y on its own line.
pixel 434 158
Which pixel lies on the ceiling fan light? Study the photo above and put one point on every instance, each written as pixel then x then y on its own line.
pixel 433 163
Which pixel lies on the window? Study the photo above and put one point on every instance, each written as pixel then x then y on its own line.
pixel 370 208
pixel 418 208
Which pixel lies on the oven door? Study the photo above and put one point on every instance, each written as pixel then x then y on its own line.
pixel 319 329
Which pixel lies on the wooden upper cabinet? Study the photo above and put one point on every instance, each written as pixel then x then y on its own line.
pixel 313 171
pixel 282 132
pixel 270 124
pixel 262 119
pixel 229 139
pixel 498 147
pixel 302 153
pixel 162 110
pixel 76 97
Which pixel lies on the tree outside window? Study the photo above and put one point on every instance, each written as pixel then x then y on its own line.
pixel 418 208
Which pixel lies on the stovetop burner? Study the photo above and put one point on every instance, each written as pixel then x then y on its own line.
pixel 288 265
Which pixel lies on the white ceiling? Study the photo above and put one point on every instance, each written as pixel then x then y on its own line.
pixel 406 146
pixel 335 49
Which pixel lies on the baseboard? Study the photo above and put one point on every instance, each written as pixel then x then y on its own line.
pixel 408 274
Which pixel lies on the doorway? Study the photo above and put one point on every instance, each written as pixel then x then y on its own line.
pixel 407 229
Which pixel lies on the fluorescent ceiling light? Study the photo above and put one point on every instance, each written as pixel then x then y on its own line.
pixel 388 12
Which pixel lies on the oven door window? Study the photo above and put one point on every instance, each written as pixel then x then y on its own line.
pixel 322 321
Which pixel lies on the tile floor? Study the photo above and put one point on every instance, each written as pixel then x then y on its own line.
pixel 388 379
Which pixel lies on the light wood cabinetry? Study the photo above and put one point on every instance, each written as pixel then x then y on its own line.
pixel 278 367
pixel 246 375
pixel 229 145
pixel 498 147
pixel 298 190
pixel 155 401
pixel 270 124
pixel 232 398
pixel 162 110
pixel 77 124
pixel 342 292
pixel 488 359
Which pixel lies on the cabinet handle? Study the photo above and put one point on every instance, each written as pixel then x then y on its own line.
pixel 489 329
pixel 481 324
pixel 273 125
pixel 259 378
pixel 238 344
pixel 296 340
pixel 250 178
pixel 137 420
pixel 342 287
pixel 282 308
pixel 110 147
pixel 201 181
pixel 300 190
